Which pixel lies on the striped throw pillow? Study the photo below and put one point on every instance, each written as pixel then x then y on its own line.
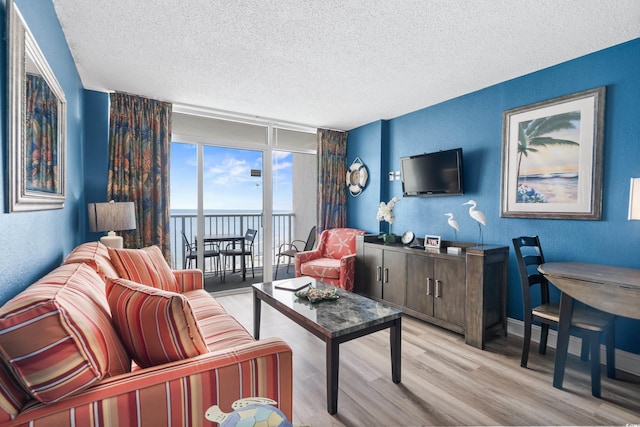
pixel 146 266
pixel 56 336
pixel 96 256
pixel 156 326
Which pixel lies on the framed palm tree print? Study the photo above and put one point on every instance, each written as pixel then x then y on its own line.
pixel 552 158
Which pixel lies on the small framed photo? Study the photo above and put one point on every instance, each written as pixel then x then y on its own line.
pixel 431 242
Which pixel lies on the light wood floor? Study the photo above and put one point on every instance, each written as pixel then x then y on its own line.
pixel 444 381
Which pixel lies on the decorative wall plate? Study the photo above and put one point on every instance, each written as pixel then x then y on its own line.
pixel 357 177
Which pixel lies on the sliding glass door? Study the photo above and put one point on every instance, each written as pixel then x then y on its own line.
pixel 232 176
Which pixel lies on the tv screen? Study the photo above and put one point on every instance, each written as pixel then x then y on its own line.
pixel 433 174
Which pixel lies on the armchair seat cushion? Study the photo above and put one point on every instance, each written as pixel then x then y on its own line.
pixel 327 268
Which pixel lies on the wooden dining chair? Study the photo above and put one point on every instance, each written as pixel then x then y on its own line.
pixel 590 323
pixel 232 250
pixel 291 249
pixel 190 253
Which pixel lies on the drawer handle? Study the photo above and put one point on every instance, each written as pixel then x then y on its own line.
pixel 428 285
pixel 386 275
pixel 437 288
pixel 378 273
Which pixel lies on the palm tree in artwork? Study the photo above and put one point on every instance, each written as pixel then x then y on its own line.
pixel 535 133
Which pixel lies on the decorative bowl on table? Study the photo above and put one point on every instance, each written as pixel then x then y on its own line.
pixel 316 295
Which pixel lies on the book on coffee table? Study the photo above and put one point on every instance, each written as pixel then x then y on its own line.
pixel 294 284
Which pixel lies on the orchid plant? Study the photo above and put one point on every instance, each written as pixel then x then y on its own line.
pixel 385 213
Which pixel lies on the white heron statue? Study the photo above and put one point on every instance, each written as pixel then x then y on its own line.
pixel 452 222
pixel 478 216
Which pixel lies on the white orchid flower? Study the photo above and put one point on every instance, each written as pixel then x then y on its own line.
pixel 385 211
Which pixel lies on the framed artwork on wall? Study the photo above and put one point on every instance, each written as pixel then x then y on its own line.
pixel 552 158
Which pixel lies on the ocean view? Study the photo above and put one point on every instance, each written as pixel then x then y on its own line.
pixel 228 221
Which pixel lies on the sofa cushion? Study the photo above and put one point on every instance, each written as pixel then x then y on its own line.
pixel 219 329
pixel 327 268
pixel 203 304
pixel 12 395
pixel 57 337
pixel 96 256
pixel 146 266
pixel 156 326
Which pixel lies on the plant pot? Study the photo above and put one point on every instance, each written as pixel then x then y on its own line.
pixel 388 239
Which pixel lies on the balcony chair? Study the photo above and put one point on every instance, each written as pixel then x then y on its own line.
pixel 190 252
pixel 588 322
pixel 333 261
pixel 290 249
pixel 232 250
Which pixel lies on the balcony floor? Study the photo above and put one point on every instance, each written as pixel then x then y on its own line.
pixel 233 281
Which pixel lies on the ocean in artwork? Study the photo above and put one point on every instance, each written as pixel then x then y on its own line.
pixel 551 188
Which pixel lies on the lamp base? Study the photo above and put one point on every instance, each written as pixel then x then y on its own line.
pixel 112 241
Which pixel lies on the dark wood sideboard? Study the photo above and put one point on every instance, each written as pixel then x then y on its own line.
pixel 466 293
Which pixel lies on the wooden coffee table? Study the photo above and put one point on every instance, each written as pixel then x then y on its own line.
pixel 334 321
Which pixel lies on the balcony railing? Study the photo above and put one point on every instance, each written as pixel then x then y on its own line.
pixel 230 223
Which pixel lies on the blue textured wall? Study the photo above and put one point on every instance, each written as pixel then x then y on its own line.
pixel 96 125
pixel 33 243
pixel 474 122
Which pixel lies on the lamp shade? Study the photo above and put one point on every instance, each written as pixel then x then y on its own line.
pixel 112 216
pixel 634 199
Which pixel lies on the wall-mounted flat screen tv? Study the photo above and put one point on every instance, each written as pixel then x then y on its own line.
pixel 433 174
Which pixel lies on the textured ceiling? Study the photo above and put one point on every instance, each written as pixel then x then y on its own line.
pixel 332 63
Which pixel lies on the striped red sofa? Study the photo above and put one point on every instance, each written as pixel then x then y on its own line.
pixel 87 345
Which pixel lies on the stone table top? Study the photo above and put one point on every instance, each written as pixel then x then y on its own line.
pixel 349 313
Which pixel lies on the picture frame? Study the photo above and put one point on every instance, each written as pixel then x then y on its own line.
pixel 552 158
pixel 37 117
pixel 432 242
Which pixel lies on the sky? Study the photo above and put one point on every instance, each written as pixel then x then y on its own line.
pixel 228 183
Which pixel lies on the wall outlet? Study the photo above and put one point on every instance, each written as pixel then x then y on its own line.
pixel 391 175
pixel 397 175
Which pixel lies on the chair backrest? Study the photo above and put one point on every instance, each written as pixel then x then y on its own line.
pixel 338 242
pixel 249 236
pixel 529 255
pixel 187 245
pixel 311 240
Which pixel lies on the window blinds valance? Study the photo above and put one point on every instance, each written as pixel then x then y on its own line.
pixel 218 131
pixel 228 132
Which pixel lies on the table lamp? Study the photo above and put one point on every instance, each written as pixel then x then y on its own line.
pixel 112 217
pixel 634 199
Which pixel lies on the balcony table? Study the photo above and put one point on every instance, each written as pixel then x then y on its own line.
pixel 233 238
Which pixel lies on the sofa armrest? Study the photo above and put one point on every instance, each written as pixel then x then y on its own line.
pixel 189 280
pixel 178 393
pixel 305 256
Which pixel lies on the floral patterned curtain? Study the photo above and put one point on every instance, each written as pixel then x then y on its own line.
pixel 332 170
pixel 139 144
pixel 41 134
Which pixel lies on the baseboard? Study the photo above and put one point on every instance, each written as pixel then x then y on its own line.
pixel 625 361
